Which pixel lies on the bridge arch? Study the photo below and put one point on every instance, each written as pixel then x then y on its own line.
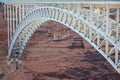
pixel 93 34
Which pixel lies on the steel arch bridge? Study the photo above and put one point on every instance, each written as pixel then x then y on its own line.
pixel 96 27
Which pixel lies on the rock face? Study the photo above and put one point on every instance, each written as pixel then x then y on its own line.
pixel 3 44
pixel 69 57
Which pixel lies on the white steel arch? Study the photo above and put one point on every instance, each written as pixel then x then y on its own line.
pixel 107 43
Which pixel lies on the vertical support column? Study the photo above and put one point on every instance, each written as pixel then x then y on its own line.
pixel 118 17
pixel 5 11
pixel 78 10
pixel 103 12
pixel 107 19
pixel 70 20
pixel 84 31
pixel 117 30
pixel 91 18
pixel 98 39
pixel 116 56
pixel 56 14
pixel 74 23
pixel 79 25
pixel 49 13
pixel 110 27
pixel 62 15
pixel 26 8
pixel 65 17
pixel 63 5
pixel 8 24
pixel 60 5
pixel 13 19
pixel 16 11
pixel 56 4
pixel 23 12
pixel 68 6
pixel 33 6
pixel 107 26
pixel 19 13
pixel 91 13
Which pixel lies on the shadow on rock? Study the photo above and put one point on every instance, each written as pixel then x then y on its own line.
pixel 93 72
pixel 1 76
pixel 77 74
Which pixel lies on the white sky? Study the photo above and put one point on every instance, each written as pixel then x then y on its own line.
pixel 35 1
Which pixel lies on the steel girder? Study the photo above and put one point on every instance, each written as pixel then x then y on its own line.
pixel 93 31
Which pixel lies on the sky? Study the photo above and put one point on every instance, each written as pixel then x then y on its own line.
pixel 32 1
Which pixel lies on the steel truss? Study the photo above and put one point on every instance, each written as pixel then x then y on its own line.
pixel 97 28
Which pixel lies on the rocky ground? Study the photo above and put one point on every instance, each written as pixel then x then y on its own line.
pixel 69 58
pixel 3 44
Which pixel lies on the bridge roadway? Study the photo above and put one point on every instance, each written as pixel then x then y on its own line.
pixel 85 3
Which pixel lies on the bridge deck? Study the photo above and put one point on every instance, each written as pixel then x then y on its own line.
pixel 101 3
pixel 63 1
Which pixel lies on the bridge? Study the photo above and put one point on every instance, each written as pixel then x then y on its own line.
pixel 98 22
